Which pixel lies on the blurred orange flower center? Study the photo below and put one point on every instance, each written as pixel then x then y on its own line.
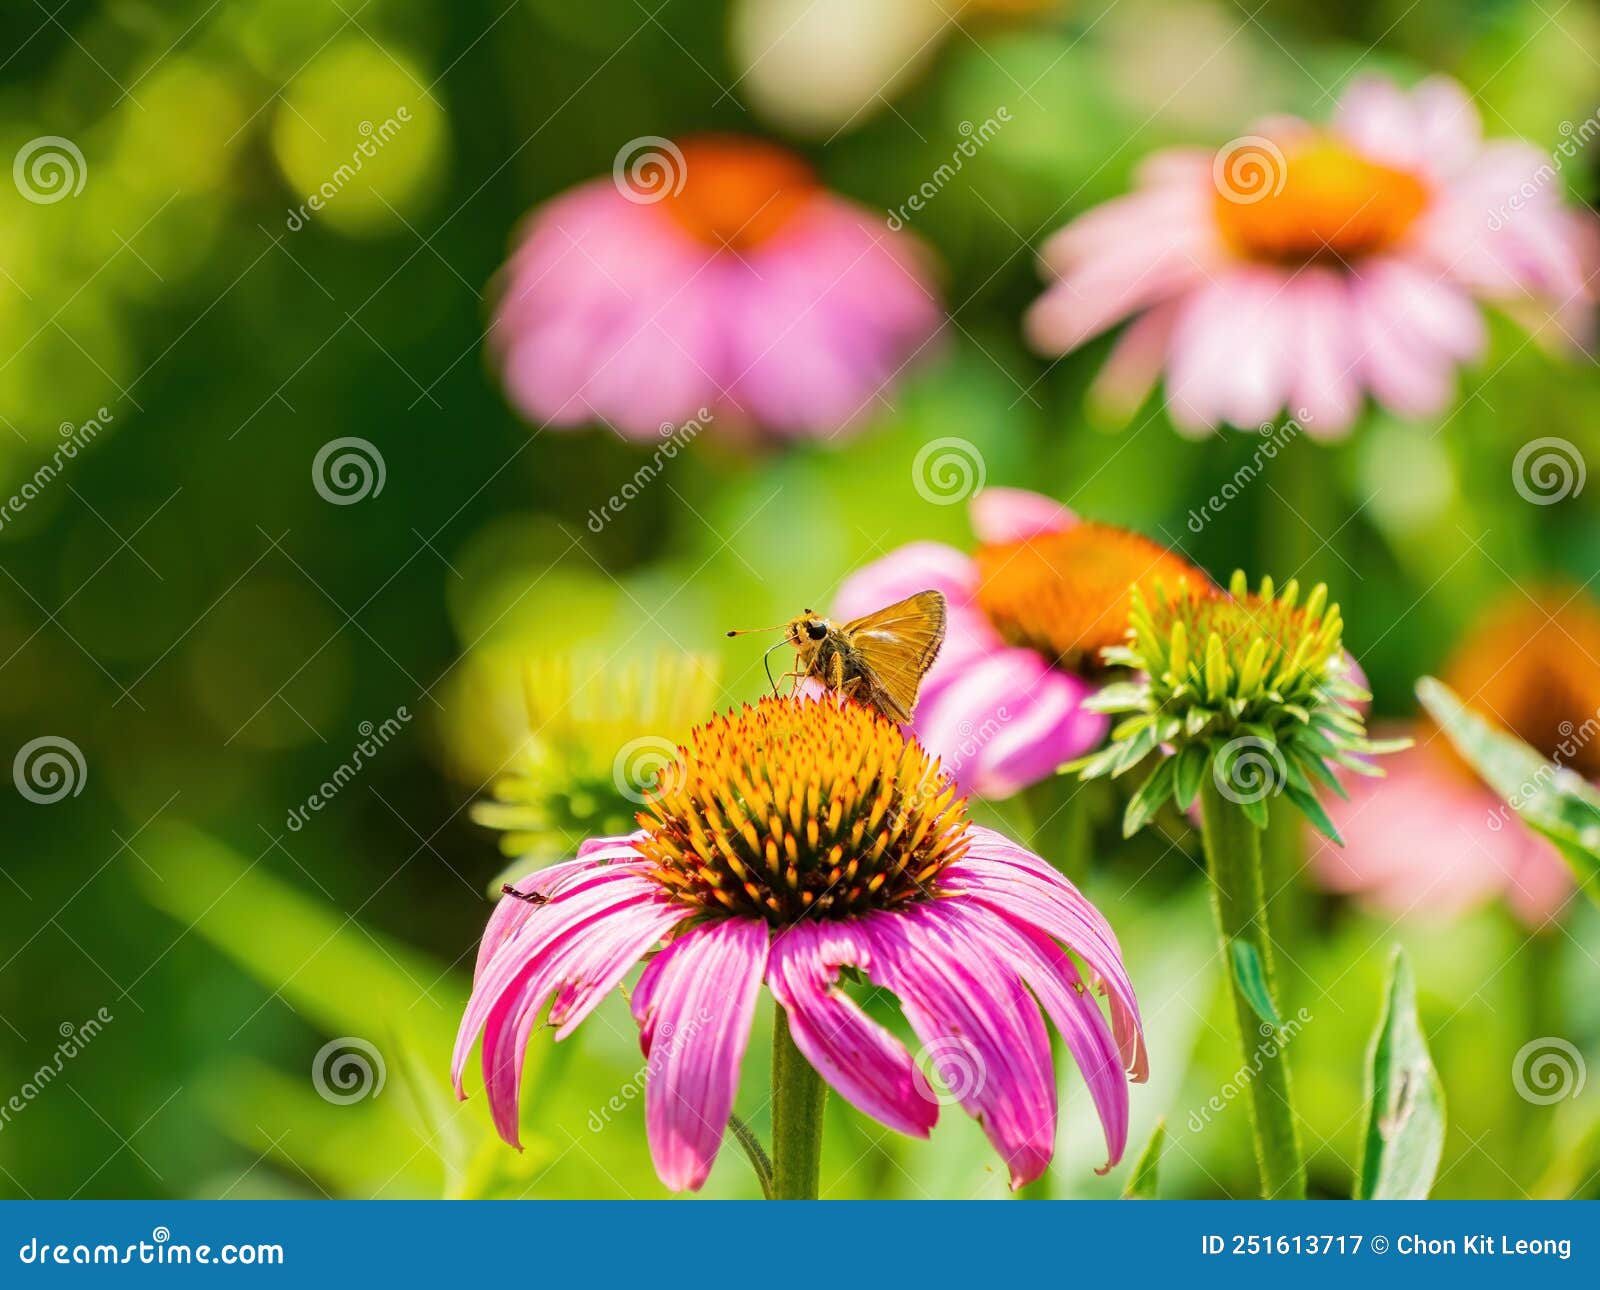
pixel 738 192
pixel 1316 199
pixel 1066 594
pixel 1534 668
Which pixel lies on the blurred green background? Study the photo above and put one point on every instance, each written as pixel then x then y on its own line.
pixel 182 605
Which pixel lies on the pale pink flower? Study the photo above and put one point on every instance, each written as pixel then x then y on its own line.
pixel 1029 612
pixel 1430 839
pixel 717 279
pixel 1305 267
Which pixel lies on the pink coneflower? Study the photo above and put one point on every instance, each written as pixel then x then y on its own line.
pixel 714 275
pixel 1431 838
pixel 1303 267
pixel 1029 612
pixel 792 840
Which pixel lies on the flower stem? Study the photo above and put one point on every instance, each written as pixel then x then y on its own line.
pixel 798 1094
pixel 1233 854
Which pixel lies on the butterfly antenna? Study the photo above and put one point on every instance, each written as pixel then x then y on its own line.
pixel 746 631
pixel 767 664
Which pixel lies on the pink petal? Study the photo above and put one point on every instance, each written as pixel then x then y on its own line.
pixel 1380 119
pixel 919 566
pixel 863 1061
pixel 1325 386
pixel 579 968
pixel 1015 514
pixel 979 1029
pixel 1135 363
pixel 1004 719
pixel 1050 974
pixel 513 959
pixel 694 1006
pixel 1021 886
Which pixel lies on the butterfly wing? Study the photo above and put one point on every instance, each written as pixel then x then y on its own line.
pixel 897 645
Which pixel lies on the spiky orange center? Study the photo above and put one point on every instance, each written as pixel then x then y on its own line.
pixel 1066 594
pixel 1323 200
pixel 738 192
pixel 1533 666
pixel 798 809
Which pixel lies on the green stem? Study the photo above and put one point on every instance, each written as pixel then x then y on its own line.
pixel 1233 855
pixel 798 1094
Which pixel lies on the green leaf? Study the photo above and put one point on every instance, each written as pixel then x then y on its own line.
pixel 1191 773
pixel 1251 974
pixel 1143 805
pixel 1405 1115
pixel 1553 801
pixel 1142 1181
pixel 1312 810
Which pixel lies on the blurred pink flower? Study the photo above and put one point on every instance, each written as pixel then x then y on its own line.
pixel 970 931
pixel 1430 837
pixel 1303 267
pixel 1030 610
pixel 713 278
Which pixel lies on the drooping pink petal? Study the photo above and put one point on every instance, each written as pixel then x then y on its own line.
pixel 517 955
pixel 694 1006
pixel 980 1030
pixel 1016 883
pixel 573 972
pixel 1054 980
pixel 866 1064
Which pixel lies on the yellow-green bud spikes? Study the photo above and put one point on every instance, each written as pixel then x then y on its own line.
pixel 1220 672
